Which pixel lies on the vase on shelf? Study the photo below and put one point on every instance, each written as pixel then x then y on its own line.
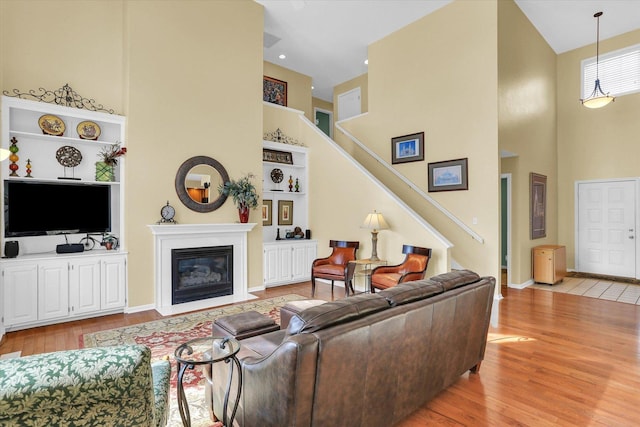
pixel 243 212
pixel 104 172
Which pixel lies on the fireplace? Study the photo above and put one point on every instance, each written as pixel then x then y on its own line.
pixel 170 237
pixel 201 273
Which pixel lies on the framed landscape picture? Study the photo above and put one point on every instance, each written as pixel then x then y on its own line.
pixel 285 212
pixel 407 148
pixel 274 91
pixel 449 175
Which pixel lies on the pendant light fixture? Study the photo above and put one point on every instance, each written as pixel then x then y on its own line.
pixel 598 98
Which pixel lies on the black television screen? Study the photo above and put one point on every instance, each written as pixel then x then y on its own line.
pixel 38 208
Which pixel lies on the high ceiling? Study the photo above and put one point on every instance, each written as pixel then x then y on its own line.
pixel 328 39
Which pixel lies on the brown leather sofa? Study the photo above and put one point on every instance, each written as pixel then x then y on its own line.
pixel 368 360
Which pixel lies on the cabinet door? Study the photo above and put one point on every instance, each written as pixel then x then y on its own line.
pixel 270 265
pixel 84 286
pixel 303 256
pixel 20 294
pixel 53 290
pixel 284 263
pixel 113 283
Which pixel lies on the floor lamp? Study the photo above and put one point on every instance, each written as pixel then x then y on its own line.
pixel 374 222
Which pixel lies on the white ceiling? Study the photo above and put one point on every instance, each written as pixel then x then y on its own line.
pixel 328 39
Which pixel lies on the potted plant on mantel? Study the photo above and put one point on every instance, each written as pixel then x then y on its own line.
pixel 244 195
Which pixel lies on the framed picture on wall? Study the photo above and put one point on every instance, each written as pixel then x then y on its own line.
pixel 274 91
pixel 267 206
pixel 285 212
pixel 449 175
pixel 407 148
pixel 538 205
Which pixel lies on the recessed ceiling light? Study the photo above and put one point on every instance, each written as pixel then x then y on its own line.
pixel 312 88
pixel 282 56
pixel 366 62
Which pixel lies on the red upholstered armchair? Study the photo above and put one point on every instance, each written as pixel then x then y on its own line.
pixel 334 267
pixel 413 267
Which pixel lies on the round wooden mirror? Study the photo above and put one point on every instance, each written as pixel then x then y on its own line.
pixel 197 183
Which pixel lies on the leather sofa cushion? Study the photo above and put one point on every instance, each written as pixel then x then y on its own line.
pixel 455 279
pixel 407 292
pixel 332 313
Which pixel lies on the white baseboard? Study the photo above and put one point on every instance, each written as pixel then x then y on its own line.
pixel 521 285
pixel 139 308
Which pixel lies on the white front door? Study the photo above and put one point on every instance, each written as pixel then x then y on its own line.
pixel 606 228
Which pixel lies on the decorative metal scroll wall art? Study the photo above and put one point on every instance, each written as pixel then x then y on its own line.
pixel 279 136
pixel 63 96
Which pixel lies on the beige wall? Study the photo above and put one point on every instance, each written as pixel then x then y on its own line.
pixel 298 87
pixel 434 97
pixel 338 215
pixel 592 144
pixel 322 104
pixel 527 127
pixel 146 60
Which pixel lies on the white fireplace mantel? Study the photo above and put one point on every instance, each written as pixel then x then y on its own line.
pixel 180 236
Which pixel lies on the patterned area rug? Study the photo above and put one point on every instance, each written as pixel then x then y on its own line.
pixel 163 336
pixel 596 288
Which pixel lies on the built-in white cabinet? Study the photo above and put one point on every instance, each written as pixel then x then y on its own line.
pixel 288 261
pixel 285 183
pixel 57 147
pixel 43 291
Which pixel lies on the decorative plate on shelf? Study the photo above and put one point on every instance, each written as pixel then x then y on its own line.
pixel 88 130
pixel 68 156
pixel 277 175
pixel 51 125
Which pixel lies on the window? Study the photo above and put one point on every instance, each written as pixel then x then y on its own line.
pixel 619 72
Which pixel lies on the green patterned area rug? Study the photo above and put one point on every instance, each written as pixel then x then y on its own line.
pixel 164 335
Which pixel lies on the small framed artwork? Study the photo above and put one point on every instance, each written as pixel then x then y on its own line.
pixel 274 91
pixel 285 212
pixel 538 205
pixel 449 175
pixel 407 148
pixel 277 156
pixel 267 206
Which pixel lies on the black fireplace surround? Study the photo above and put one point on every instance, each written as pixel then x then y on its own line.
pixel 201 273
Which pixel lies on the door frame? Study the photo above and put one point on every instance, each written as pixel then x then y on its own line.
pixel 508 178
pixel 576 212
pixel 329 113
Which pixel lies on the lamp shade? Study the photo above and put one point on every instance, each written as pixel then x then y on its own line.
pixel 4 154
pixel 598 98
pixel 375 221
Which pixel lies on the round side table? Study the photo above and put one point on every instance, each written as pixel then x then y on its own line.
pixel 207 351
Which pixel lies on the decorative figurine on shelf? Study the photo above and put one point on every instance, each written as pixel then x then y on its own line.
pixel 278 234
pixel 297 185
pixel 28 175
pixel 13 157
pixel 290 183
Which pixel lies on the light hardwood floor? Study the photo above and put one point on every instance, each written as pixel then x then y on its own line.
pixel 552 359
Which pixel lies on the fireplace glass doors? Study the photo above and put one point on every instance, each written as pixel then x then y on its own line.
pixel 201 273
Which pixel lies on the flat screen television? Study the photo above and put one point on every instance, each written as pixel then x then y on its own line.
pixel 41 208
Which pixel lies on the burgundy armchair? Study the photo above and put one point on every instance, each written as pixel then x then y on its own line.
pixel 413 267
pixel 334 267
